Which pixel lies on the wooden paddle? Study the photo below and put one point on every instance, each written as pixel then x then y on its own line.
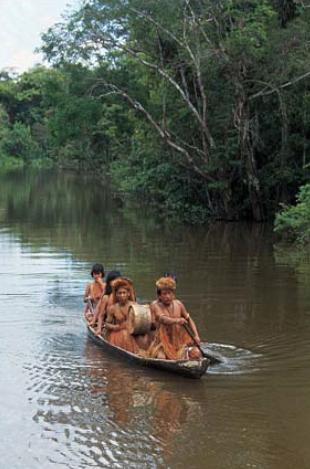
pixel 90 305
pixel 213 359
pixel 91 308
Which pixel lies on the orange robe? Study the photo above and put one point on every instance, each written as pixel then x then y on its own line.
pixel 122 338
pixel 170 339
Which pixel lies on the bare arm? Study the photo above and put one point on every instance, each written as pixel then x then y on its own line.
pixel 189 321
pixel 100 310
pixel 154 318
pixel 194 329
pixel 169 321
pixel 87 293
pixel 165 319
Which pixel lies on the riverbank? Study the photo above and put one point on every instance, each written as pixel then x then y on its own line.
pixel 211 128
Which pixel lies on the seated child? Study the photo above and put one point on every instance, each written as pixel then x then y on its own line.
pixel 117 318
pixel 105 301
pixel 172 341
pixel 94 290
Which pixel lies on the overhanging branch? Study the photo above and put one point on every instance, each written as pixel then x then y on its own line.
pixel 275 88
pixel 164 133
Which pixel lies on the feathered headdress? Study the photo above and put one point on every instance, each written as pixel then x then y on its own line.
pixel 123 282
pixel 166 283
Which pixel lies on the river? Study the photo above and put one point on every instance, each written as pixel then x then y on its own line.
pixel 66 404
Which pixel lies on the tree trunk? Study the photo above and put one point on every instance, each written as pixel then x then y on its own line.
pixel 287 11
pixel 247 155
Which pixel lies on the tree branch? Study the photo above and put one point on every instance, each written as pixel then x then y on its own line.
pixel 275 89
pixel 164 134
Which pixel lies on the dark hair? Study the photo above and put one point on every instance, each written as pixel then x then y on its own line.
pixel 97 269
pixel 110 277
pixel 171 275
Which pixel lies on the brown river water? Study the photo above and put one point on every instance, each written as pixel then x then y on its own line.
pixel 64 403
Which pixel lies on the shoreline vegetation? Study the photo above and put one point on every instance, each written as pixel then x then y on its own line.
pixel 199 108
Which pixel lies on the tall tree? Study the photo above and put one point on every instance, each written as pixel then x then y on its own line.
pixel 206 76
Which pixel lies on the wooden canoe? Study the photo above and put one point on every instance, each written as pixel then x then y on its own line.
pixel 188 368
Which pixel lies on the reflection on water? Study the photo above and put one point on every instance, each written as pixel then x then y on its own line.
pixel 65 403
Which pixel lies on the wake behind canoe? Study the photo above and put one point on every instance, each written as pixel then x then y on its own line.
pixel 187 368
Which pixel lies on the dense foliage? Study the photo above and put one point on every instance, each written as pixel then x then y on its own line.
pixel 293 222
pixel 201 107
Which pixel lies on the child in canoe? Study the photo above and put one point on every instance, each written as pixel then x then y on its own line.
pixel 105 301
pixel 94 290
pixel 172 341
pixel 116 324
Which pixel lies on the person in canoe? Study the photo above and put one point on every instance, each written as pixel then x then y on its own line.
pixel 153 310
pixel 105 301
pixel 172 341
pixel 116 324
pixel 94 290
